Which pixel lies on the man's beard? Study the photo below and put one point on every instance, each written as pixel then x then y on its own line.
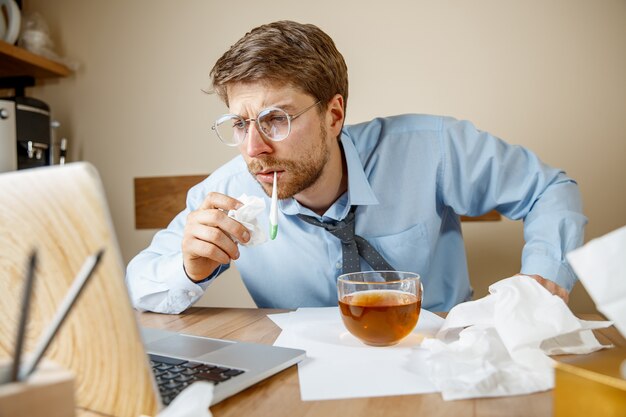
pixel 301 174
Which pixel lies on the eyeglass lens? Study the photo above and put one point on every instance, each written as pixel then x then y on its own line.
pixel 274 124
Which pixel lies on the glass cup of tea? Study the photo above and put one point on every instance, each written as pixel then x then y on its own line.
pixel 380 308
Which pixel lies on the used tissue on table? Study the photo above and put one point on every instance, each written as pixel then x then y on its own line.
pixel 194 401
pixel 247 215
pixel 499 345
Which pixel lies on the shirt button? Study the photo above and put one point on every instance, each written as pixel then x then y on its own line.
pixel 338 265
pixel 191 294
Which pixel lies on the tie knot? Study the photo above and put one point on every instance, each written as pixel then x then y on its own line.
pixel 337 226
pixel 343 229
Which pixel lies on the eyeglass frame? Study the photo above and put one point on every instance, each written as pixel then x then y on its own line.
pixel 290 118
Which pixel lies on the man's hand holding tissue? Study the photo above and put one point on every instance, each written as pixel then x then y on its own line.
pixel 208 236
pixel 551 286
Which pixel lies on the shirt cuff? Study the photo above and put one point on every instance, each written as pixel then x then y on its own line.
pixel 215 273
pixel 193 290
pixel 175 293
pixel 556 271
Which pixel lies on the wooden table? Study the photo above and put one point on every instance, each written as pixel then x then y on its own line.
pixel 280 395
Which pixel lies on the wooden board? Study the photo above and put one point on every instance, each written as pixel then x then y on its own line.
pixel 492 216
pixel 159 199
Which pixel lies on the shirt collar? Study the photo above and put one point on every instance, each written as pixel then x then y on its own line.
pixel 359 190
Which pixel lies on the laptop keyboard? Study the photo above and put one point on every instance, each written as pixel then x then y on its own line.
pixel 174 375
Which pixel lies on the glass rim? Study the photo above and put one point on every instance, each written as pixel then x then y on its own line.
pixel 231 116
pixel 345 278
pixel 257 121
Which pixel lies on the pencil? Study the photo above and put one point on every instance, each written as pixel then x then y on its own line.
pixel 24 311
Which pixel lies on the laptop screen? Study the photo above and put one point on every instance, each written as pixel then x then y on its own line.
pixel 62 212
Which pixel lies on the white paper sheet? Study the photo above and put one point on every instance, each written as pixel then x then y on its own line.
pixel 340 366
pixel 601 267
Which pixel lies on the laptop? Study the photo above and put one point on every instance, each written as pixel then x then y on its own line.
pixel 120 368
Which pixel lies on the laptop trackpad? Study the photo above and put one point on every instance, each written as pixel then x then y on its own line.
pixel 186 346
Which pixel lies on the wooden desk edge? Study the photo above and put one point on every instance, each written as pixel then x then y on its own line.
pixel 193 314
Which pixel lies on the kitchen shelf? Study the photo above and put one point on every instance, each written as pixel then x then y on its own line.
pixel 18 62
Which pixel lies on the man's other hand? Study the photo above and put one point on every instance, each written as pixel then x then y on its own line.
pixel 551 286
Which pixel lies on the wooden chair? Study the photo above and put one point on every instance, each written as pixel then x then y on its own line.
pixel 159 199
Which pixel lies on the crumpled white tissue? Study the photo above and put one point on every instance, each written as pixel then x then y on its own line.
pixel 499 345
pixel 601 267
pixel 194 401
pixel 248 216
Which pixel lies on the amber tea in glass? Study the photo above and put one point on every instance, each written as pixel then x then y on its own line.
pixel 380 308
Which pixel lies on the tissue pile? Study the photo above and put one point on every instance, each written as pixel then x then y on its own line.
pixel 194 401
pixel 499 345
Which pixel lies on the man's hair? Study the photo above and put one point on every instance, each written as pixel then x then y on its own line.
pixel 285 53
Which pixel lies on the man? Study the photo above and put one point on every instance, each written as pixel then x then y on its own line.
pixel 400 182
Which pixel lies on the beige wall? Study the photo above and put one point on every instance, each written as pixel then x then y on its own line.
pixel 550 75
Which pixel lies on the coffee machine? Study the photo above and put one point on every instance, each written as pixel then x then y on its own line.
pixel 25 137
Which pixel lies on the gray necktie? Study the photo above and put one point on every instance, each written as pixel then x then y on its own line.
pixel 351 245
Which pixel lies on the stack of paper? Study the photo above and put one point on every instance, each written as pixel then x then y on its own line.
pixel 338 365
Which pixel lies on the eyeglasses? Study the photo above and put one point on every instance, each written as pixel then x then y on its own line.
pixel 273 123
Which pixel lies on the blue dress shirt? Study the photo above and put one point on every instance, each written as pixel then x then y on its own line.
pixel 411 176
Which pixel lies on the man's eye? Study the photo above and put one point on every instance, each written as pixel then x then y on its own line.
pixel 239 125
pixel 277 119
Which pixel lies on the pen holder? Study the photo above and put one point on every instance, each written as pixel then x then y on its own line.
pixel 48 392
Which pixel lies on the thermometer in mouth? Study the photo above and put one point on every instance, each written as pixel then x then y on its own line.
pixel 274 211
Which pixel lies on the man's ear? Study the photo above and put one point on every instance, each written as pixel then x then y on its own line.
pixel 335 115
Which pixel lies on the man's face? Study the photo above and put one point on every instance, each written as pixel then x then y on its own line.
pixel 298 160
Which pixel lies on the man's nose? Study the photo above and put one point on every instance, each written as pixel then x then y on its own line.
pixel 256 144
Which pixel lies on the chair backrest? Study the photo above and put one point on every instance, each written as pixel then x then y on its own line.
pixel 159 199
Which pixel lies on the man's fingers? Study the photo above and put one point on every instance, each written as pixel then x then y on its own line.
pixel 210 237
pixel 197 248
pixel 204 249
pixel 219 220
pixel 219 201
pixel 218 242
